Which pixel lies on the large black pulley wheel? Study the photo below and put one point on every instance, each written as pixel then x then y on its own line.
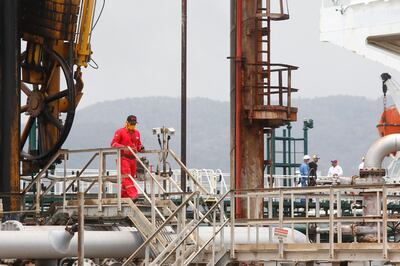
pixel 41 120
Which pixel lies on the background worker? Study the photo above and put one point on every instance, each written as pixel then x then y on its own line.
pixel 335 170
pixel 361 165
pixel 304 170
pixel 313 165
pixel 128 136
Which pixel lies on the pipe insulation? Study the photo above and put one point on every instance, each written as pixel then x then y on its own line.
pixel 248 235
pixel 381 148
pixel 54 244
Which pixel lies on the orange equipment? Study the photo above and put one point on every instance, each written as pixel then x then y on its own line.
pixel 390 118
pixel 389 122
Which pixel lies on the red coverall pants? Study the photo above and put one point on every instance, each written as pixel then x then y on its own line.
pixel 124 137
pixel 128 167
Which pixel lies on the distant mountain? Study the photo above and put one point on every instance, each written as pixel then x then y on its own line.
pixel 344 127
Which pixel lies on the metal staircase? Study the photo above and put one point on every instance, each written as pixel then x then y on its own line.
pixel 167 218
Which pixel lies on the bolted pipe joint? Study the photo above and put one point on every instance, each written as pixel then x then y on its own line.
pixel 371 176
pixel 373 172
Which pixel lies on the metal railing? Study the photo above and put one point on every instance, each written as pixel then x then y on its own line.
pixel 68 182
pixel 319 211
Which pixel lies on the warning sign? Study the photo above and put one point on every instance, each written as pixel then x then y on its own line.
pixel 280 232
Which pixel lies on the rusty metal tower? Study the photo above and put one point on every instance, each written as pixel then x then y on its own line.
pixel 260 93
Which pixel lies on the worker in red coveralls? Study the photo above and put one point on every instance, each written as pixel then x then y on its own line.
pixel 128 136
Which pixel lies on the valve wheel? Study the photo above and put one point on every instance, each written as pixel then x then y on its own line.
pixel 39 110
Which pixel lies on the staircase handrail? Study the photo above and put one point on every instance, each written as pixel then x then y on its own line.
pixel 198 223
pixel 178 209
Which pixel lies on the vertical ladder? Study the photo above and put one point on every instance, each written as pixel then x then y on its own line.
pixel 262 44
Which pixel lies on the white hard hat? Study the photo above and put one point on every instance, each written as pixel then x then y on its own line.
pixel 306 157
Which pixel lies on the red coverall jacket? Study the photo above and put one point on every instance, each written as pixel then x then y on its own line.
pixel 125 138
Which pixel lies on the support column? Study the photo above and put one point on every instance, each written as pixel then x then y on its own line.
pixel 252 132
pixel 247 137
pixel 9 104
pixel 232 93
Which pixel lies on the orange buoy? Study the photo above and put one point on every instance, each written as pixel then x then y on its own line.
pixel 389 122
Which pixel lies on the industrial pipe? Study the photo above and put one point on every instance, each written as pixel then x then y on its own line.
pixel 248 235
pixel 56 244
pixel 53 242
pixel 379 149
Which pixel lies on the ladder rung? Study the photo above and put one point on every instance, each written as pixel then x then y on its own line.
pixel 261 19
pixel 264 31
pixel 258 64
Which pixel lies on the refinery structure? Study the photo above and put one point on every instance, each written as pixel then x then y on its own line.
pixel 54 215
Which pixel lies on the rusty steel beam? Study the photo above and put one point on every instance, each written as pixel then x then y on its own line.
pixel 232 94
pixel 248 136
pixel 9 104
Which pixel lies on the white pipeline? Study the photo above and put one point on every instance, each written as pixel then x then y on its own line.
pixel 248 235
pixel 381 148
pixel 53 244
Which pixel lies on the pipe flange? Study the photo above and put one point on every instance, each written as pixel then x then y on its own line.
pixel 372 172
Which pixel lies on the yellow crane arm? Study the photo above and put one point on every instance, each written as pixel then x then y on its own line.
pixel 83 50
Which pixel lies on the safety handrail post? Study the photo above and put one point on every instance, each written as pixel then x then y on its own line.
pixel 153 202
pixel 281 199
pixel 196 217
pixel 66 157
pixel 339 214
pixel 280 87
pixel 100 182
pixel 37 200
pixel 119 179
pixel 232 210
pixel 331 224
pixel 384 226
pixel 289 95
pixel 257 226
pixel 378 208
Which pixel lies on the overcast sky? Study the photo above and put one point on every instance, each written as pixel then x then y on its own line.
pixel 137 47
